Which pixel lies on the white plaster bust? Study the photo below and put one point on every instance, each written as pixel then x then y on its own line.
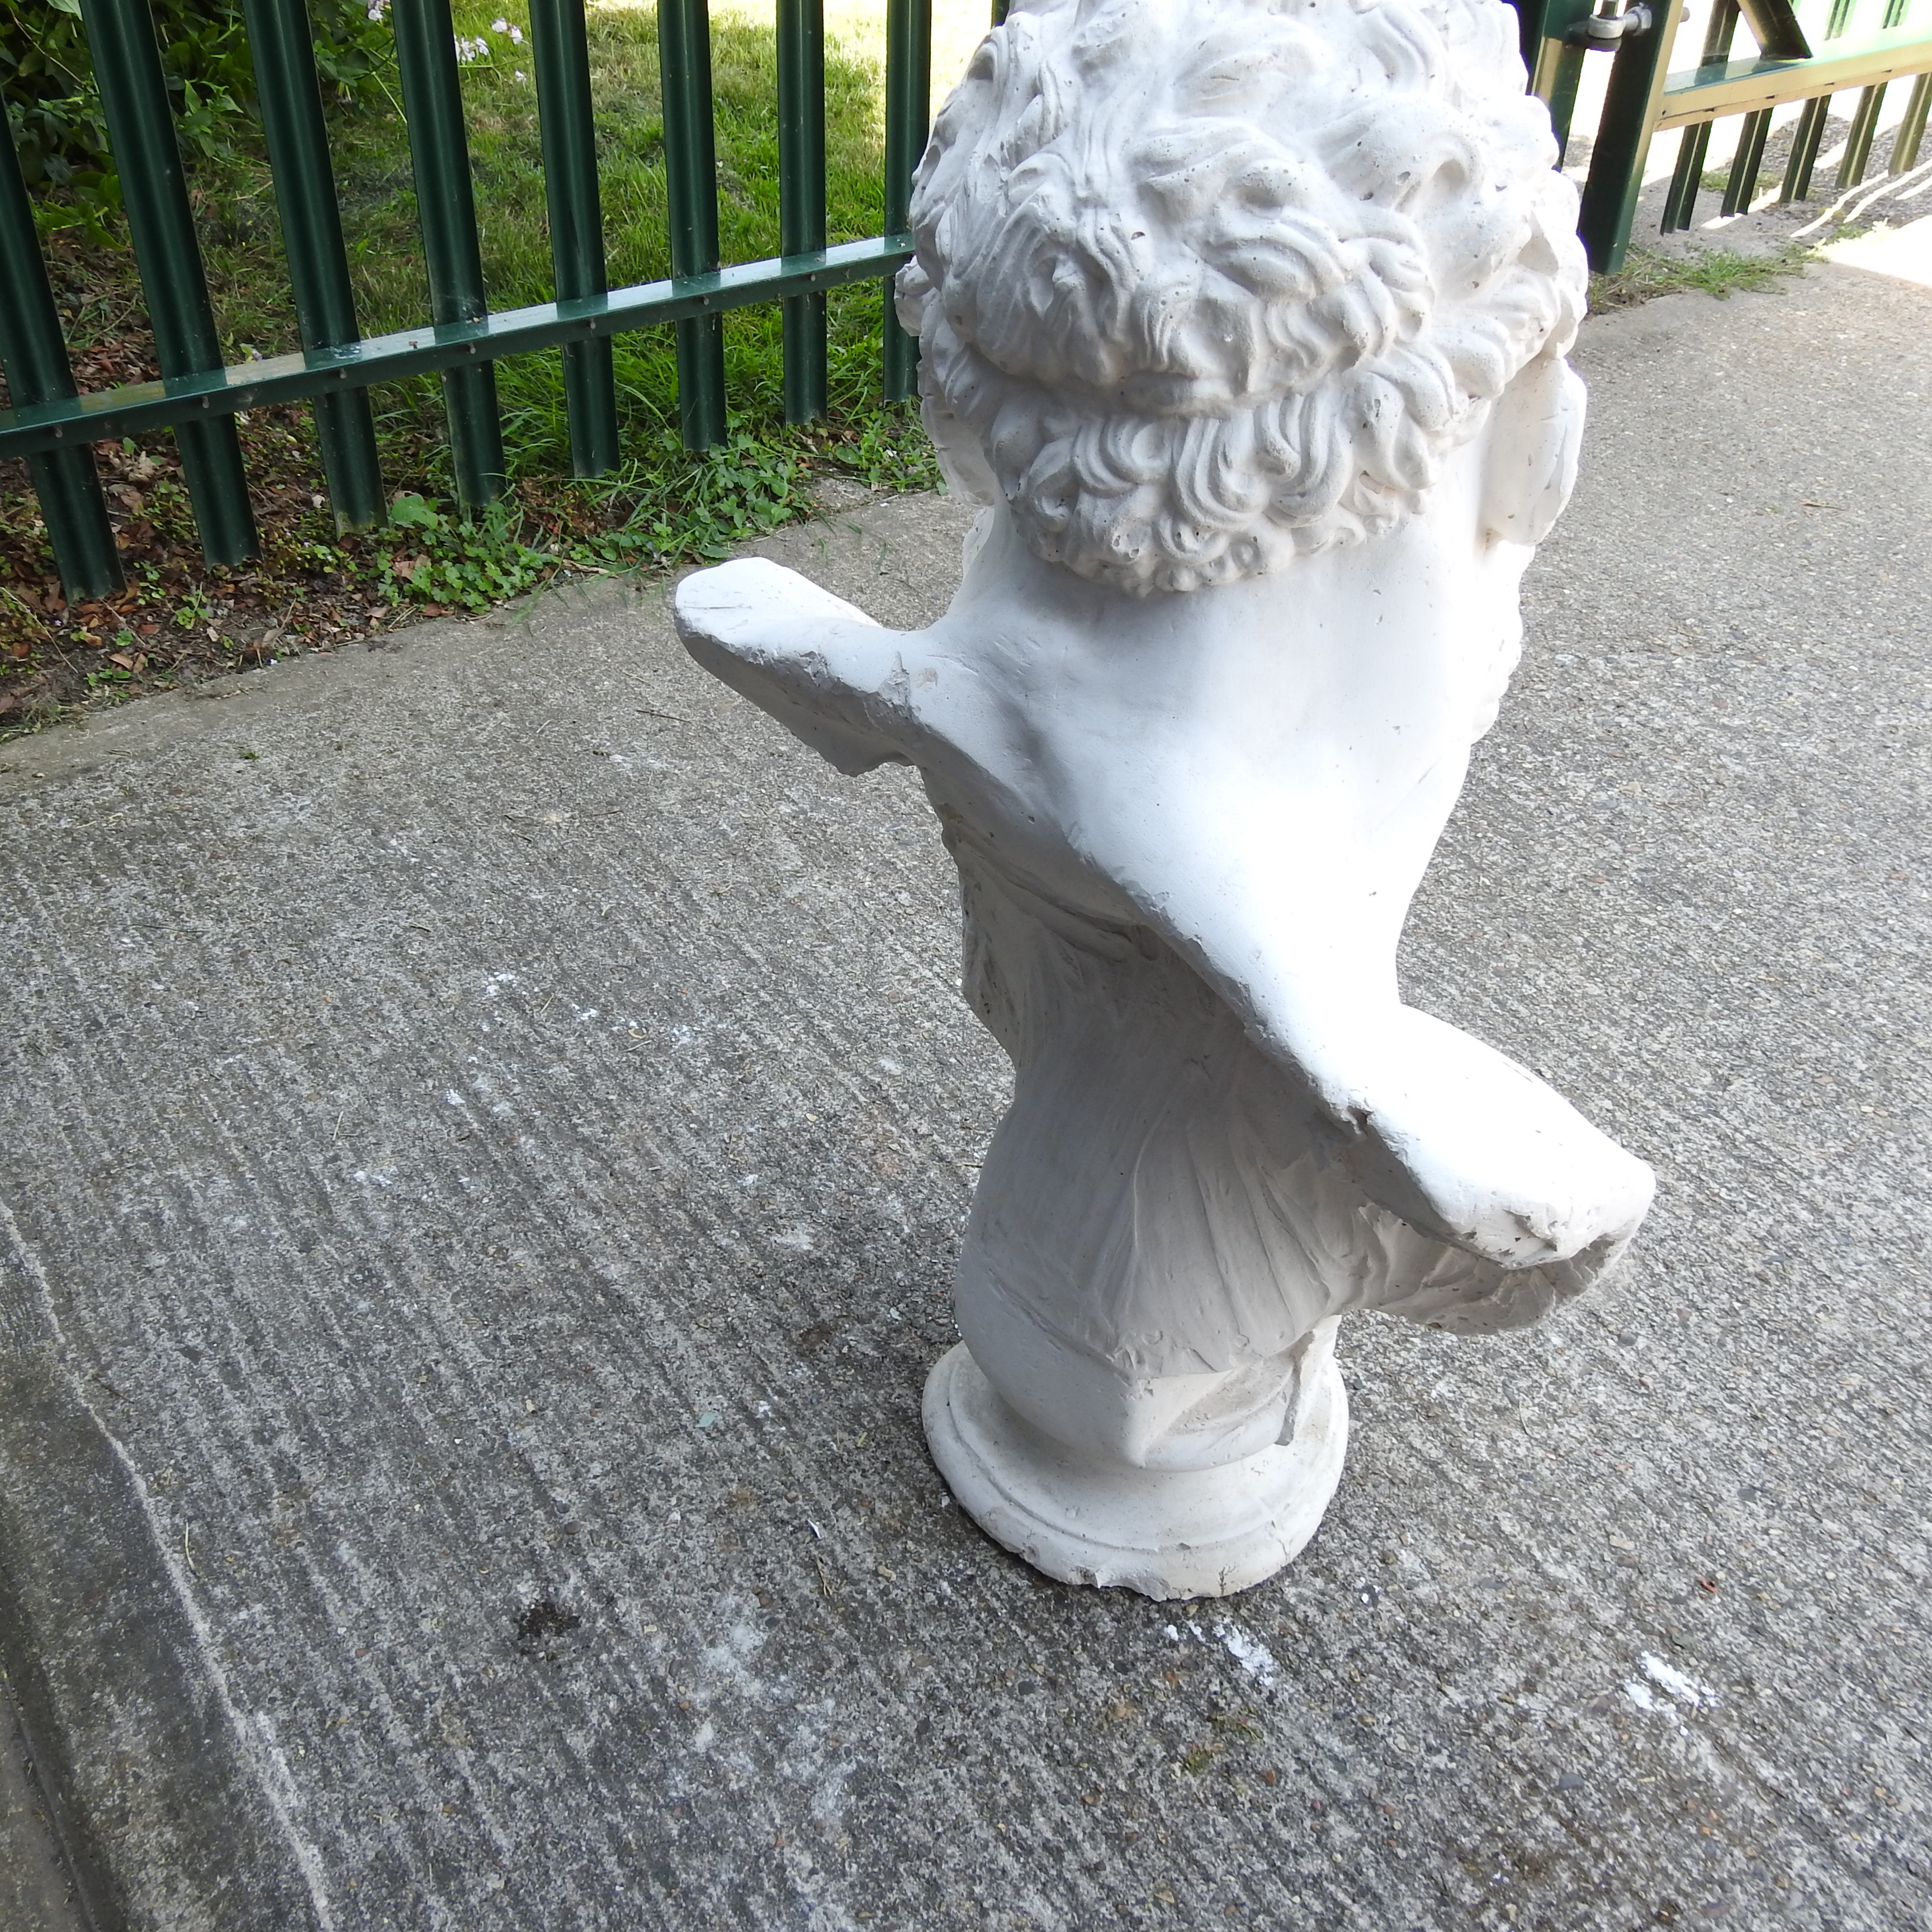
pixel 1246 322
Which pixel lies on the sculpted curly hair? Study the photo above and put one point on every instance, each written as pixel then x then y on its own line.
pixel 1202 284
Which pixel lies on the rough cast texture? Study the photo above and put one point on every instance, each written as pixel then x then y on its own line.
pixel 1211 284
pixel 309 1295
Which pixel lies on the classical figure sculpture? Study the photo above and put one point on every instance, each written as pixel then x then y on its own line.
pixel 1246 322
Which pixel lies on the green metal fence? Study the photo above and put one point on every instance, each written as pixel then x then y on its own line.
pixel 53 426
pixel 1646 98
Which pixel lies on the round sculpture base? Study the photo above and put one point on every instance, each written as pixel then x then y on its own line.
pixel 1165 1533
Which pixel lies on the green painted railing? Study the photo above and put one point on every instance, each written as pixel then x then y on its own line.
pixel 1646 98
pixel 52 425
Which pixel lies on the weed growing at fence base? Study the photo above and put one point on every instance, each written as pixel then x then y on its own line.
pixel 435 557
pixel 663 504
pixel 1646 274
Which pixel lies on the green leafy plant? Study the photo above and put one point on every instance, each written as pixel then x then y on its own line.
pixel 52 112
pixel 709 505
pixel 891 451
pixel 53 108
pixel 470 565
pixel 194 610
pixel 704 508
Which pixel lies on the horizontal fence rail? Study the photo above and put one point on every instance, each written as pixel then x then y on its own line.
pixel 52 426
pixel 1861 44
pixel 458 346
pixel 1733 87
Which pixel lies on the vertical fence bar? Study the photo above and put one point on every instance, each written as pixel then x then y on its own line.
pixel 1680 204
pixel 1623 140
pixel 1806 139
pixel 908 104
pixel 1858 141
pixel 1680 198
pixel 576 223
pixel 1529 35
pixel 690 173
pixel 1745 163
pixel 1809 135
pixel 281 43
pixel 37 370
pixel 446 208
pixel 1565 77
pixel 1552 60
pixel 801 195
pixel 1865 119
pixel 141 134
pixel 1912 130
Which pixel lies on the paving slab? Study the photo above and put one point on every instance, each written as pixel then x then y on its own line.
pixel 488 1121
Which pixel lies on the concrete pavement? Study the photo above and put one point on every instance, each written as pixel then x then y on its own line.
pixel 488 1119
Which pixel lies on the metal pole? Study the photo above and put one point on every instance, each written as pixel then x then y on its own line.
pixel 1865 119
pixel 446 208
pixel 1912 130
pixel 801 24
pixel 37 370
pixel 1809 135
pixel 1623 139
pixel 908 95
pixel 1552 60
pixel 153 193
pixel 1858 142
pixel 1742 186
pixel 562 54
pixel 691 169
pixel 1680 203
pixel 1806 139
pixel 281 40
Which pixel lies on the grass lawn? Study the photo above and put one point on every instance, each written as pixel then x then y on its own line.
pixel 180 618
